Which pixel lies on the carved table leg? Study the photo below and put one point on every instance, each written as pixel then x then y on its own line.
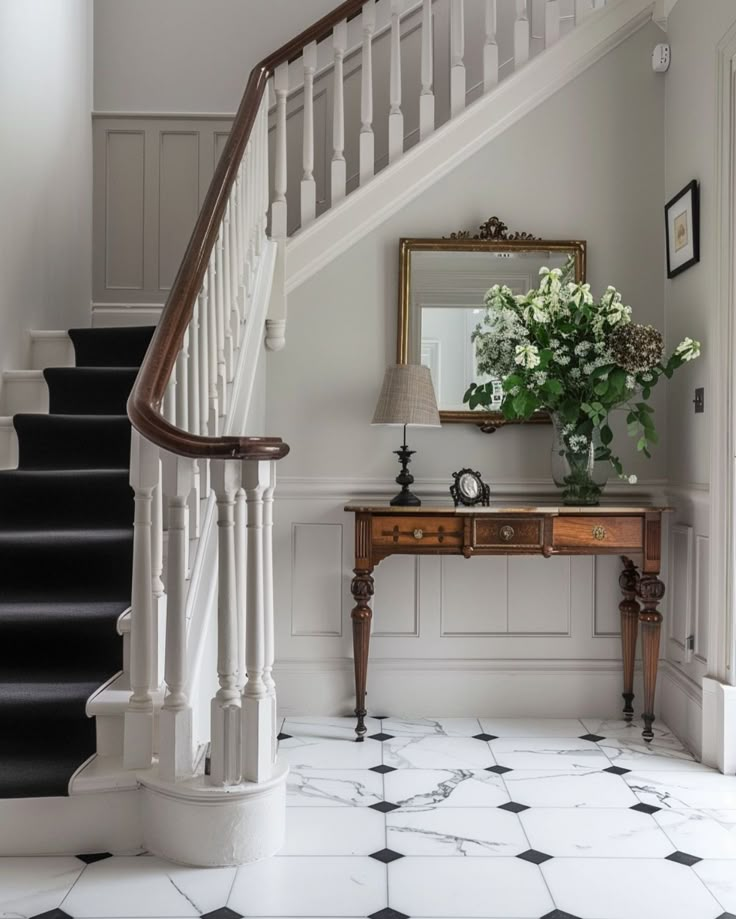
pixel 362 590
pixel 629 607
pixel 651 591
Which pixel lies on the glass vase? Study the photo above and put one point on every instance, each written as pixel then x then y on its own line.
pixel 576 465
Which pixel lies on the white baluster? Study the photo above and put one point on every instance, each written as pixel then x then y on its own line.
pixel 426 99
pixel 268 605
pixel 264 182
pixel 490 49
pixel 222 361
pixel 308 186
pixel 278 206
pixel 551 23
pixel 169 407
pixel 250 248
pixel 339 173
pixel 213 364
pixel 241 562
pixel 521 35
pixel 203 376
pixel 583 8
pixel 258 727
pixel 396 116
pixel 225 762
pixel 182 385
pixel 367 138
pixel 138 722
pixel 236 317
pixel 230 343
pixel 157 584
pixel 242 246
pixel 175 754
pixel 195 423
pixel 457 63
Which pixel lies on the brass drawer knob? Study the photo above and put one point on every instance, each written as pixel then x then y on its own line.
pixel 418 534
pixel 599 533
pixel 507 533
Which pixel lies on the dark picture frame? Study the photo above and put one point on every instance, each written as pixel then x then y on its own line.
pixel 682 229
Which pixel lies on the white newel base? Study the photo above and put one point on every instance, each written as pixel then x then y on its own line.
pixel 195 824
pixel 719 725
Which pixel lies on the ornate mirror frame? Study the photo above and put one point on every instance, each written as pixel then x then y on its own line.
pixel 494 236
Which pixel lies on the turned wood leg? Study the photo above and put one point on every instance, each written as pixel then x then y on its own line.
pixel 362 590
pixel 651 592
pixel 629 607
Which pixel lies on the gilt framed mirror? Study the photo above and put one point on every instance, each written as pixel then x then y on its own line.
pixel 442 283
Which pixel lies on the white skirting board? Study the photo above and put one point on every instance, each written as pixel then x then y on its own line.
pixel 719 725
pixel 681 703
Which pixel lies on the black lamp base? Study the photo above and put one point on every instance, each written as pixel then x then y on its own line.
pixel 405 497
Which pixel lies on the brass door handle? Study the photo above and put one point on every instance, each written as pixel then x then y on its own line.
pixel 599 533
pixel 418 534
pixel 507 533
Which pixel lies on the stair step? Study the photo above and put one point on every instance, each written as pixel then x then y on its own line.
pixel 81 498
pixel 8 443
pixel 36 775
pixel 24 391
pixel 51 349
pixel 111 347
pixel 89 390
pixel 73 441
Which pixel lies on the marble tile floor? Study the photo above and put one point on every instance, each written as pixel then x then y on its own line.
pixel 435 819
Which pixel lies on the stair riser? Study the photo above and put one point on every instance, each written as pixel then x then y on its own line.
pixel 29 394
pixel 8 446
pixel 51 349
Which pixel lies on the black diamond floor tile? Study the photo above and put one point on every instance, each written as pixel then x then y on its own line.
pixel 682 858
pixel 91 857
pixel 485 737
pixel 381 736
pixel 499 770
pixel 283 736
pixel 513 807
pixel 53 914
pixel 558 914
pixel 726 916
pixel 384 807
pixel 645 808
pixel 382 770
pixel 388 913
pixel 386 856
pixel 224 912
pixel 594 738
pixel 617 770
pixel 535 857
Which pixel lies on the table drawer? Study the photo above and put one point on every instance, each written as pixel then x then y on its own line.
pixel 595 532
pixel 435 532
pixel 508 531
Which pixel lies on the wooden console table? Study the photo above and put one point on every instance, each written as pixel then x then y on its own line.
pixel 381 530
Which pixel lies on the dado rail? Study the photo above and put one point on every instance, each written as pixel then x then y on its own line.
pixel 190 462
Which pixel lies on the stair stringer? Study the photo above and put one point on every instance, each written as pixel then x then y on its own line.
pixel 335 231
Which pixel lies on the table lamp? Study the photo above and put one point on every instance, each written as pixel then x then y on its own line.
pixel 407 397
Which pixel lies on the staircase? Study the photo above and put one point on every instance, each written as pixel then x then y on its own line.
pixel 125 730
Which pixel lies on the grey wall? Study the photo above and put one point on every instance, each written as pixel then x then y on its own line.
pixel 45 182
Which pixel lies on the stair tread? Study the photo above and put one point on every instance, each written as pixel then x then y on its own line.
pixel 37 775
pixel 89 390
pixel 111 345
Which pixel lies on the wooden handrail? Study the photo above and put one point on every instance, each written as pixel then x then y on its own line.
pixel 146 398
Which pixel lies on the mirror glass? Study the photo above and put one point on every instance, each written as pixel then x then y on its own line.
pixel 444 283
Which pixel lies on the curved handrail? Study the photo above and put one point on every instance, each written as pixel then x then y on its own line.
pixel 158 364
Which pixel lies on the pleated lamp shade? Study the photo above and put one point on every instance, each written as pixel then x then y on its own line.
pixel 407 397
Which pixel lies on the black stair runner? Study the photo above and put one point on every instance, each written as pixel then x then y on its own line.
pixel 66 545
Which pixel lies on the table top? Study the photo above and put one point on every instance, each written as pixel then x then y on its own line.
pixel 502 507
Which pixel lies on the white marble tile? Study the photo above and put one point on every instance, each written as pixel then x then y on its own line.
pixel 605 833
pixel 333 831
pixel 456 831
pixel 424 789
pixel 533 727
pixel 325 728
pixel 698 834
pixel 704 788
pixel 636 754
pixel 423 752
pixel 720 879
pixel 471 887
pixel 130 886
pixel 560 753
pixel 553 788
pixel 326 887
pixel 304 750
pixel 311 787
pixel 630 730
pixel 609 888
pixel 439 727
pixel 29 886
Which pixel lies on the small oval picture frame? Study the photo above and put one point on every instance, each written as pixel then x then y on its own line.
pixel 468 489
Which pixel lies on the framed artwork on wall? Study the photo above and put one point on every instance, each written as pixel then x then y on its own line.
pixel 682 225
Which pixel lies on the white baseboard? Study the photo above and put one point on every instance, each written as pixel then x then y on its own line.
pixel 105 315
pixel 681 704
pixel 719 725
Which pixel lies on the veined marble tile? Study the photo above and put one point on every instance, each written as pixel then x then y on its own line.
pixel 703 788
pixel 637 754
pixel 30 886
pixel 333 788
pixel 425 789
pixel 720 879
pixel 613 888
pixel 564 754
pixel 456 831
pixel 471 887
pixel 698 834
pixel 326 728
pixel 138 887
pixel 333 831
pixel 553 788
pixel 305 751
pixel 533 727
pixel 438 727
pixel 326 887
pixel 604 833
pixel 430 752
pixel 630 730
